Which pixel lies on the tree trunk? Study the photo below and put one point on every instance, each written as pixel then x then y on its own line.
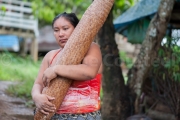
pixel 114 106
pixel 76 48
pixel 149 49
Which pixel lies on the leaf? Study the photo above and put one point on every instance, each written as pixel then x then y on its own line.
pixel 161 52
pixel 3 8
pixel 167 65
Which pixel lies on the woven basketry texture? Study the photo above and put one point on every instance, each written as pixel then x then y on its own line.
pixel 76 48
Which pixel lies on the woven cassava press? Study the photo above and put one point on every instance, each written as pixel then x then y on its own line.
pixel 76 48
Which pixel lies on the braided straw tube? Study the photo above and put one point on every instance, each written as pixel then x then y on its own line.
pixel 76 48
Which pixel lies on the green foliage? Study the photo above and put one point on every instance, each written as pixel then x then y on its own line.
pixel 20 70
pixel 46 10
pixel 127 60
pixel 172 64
pixel 121 6
pixel 169 60
pixel 2 10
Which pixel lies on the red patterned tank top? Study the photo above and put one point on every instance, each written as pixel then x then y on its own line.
pixel 83 96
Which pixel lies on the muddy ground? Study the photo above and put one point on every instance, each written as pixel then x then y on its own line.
pixel 13 108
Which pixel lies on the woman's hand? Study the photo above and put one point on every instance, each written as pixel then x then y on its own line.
pixel 48 75
pixel 43 104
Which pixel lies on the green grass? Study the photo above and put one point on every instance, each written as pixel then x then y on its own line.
pixel 20 70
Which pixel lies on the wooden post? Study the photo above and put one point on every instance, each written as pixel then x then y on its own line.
pixel 34 49
pixel 22 46
pixel 76 48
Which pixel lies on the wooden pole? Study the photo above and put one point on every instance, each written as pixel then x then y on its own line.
pixel 76 48
pixel 34 49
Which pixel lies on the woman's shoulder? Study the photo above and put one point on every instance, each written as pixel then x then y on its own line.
pixel 50 54
pixel 94 46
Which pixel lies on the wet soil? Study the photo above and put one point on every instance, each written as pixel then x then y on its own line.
pixel 13 108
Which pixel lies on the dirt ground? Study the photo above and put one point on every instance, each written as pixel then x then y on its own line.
pixel 12 108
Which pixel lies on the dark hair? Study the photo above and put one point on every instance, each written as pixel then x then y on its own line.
pixel 71 17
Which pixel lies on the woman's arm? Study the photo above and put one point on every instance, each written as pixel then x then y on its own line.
pixel 38 84
pixel 85 71
pixel 42 101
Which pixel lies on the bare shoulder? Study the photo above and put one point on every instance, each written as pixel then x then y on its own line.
pixel 95 44
pixel 94 47
pixel 94 50
pixel 50 55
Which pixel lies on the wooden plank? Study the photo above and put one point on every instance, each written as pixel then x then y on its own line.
pixel 22 50
pixel 20 26
pixel 29 34
pixel 18 20
pixel 16 8
pixel 17 25
pixel 16 2
pixel 17 15
pixel 34 49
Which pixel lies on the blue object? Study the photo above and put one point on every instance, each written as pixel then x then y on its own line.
pixel 9 42
pixel 140 10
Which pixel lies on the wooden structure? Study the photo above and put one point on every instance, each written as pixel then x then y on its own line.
pixel 16 18
pixel 175 15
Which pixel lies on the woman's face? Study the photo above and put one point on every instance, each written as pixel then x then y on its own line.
pixel 62 30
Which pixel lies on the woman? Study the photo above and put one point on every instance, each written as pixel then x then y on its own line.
pixel 82 100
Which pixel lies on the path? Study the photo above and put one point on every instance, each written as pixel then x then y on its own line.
pixel 12 108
